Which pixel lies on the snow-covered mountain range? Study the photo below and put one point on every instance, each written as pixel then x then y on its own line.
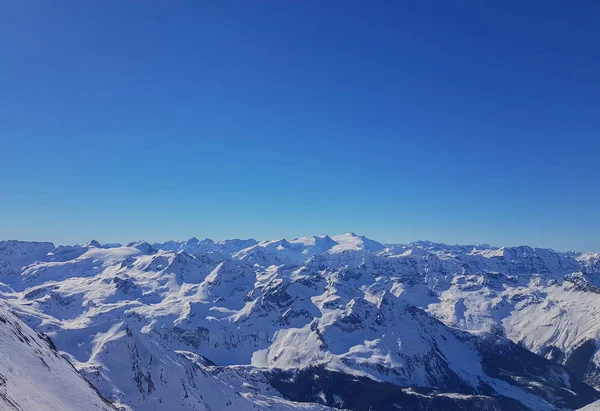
pixel 314 323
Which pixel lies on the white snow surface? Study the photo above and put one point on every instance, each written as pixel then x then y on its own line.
pixel 33 376
pixel 346 302
pixel 595 406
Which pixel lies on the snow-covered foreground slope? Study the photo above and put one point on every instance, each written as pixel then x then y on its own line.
pixel 33 375
pixel 595 406
pixel 314 320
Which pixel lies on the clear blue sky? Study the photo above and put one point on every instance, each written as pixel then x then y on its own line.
pixel 460 122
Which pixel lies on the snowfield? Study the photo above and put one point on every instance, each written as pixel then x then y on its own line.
pixel 307 323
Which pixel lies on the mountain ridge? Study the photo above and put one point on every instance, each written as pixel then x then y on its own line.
pixel 420 315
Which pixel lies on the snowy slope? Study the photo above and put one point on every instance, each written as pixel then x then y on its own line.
pixel 548 302
pixel 16 254
pixel 595 406
pixel 137 373
pixel 33 376
pixel 167 326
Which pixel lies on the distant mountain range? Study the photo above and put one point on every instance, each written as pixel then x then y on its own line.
pixel 311 323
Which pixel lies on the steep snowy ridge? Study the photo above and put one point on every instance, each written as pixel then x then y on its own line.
pixel 294 323
pixel 33 375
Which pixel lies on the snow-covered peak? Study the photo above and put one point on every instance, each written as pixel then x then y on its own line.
pixel 192 241
pixel 351 241
pixel 414 251
pixel 92 243
pixel 143 246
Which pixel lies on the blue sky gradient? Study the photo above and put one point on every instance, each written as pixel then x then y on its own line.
pixel 449 121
